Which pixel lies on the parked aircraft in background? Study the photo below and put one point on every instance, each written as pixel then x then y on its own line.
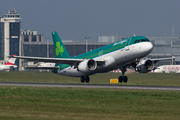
pixel 121 54
pixel 128 71
pixel 43 65
pixel 167 69
pixel 9 65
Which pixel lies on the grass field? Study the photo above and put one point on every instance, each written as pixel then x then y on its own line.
pixel 37 103
pixel 87 104
pixel 157 79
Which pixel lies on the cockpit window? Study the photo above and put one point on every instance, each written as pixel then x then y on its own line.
pixel 147 40
pixel 141 40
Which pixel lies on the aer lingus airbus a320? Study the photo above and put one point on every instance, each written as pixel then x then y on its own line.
pixel 117 55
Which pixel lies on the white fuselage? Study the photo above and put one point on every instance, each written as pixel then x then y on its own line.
pixel 114 60
pixel 167 69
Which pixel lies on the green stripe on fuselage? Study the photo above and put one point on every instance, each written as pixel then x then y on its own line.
pixel 101 51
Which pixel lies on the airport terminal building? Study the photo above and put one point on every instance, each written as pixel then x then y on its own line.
pixel 10 26
pixel 12 37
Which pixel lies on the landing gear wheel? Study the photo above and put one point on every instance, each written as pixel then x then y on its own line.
pixel 125 79
pixel 120 79
pixel 85 78
pixel 82 79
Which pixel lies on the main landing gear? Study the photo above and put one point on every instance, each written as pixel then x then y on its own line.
pixel 85 78
pixel 123 78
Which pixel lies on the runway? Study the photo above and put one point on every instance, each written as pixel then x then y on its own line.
pixel 69 85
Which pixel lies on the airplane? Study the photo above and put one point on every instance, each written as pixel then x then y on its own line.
pixel 118 55
pixel 167 69
pixel 9 65
pixel 43 65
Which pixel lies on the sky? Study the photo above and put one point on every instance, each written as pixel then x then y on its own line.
pixel 77 19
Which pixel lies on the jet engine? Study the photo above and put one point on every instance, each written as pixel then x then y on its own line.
pixel 144 66
pixel 87 65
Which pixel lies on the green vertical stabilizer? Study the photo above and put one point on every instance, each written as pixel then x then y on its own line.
pixel 59 48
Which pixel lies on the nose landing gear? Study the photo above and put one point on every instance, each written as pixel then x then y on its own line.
pixel 123 78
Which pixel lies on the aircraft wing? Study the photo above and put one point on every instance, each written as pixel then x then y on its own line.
pixel 50 68
pixel 69 61
pixel 159 59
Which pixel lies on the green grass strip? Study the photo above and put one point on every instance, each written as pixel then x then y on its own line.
pixel 32 103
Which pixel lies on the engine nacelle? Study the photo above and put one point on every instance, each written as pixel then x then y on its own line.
pixel 145 66
pixel 87 65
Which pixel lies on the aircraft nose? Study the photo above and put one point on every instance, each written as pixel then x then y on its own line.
pixel 149 47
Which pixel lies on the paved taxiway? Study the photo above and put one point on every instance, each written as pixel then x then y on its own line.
pixel 66 85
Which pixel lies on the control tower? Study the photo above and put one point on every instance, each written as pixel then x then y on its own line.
pixel 10 30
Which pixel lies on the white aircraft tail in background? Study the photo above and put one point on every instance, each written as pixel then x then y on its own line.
pixel 9 65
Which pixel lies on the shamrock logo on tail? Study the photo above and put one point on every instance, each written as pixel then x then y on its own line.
pixel 59 49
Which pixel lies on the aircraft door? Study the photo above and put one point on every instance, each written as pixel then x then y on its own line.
pixel 127 44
